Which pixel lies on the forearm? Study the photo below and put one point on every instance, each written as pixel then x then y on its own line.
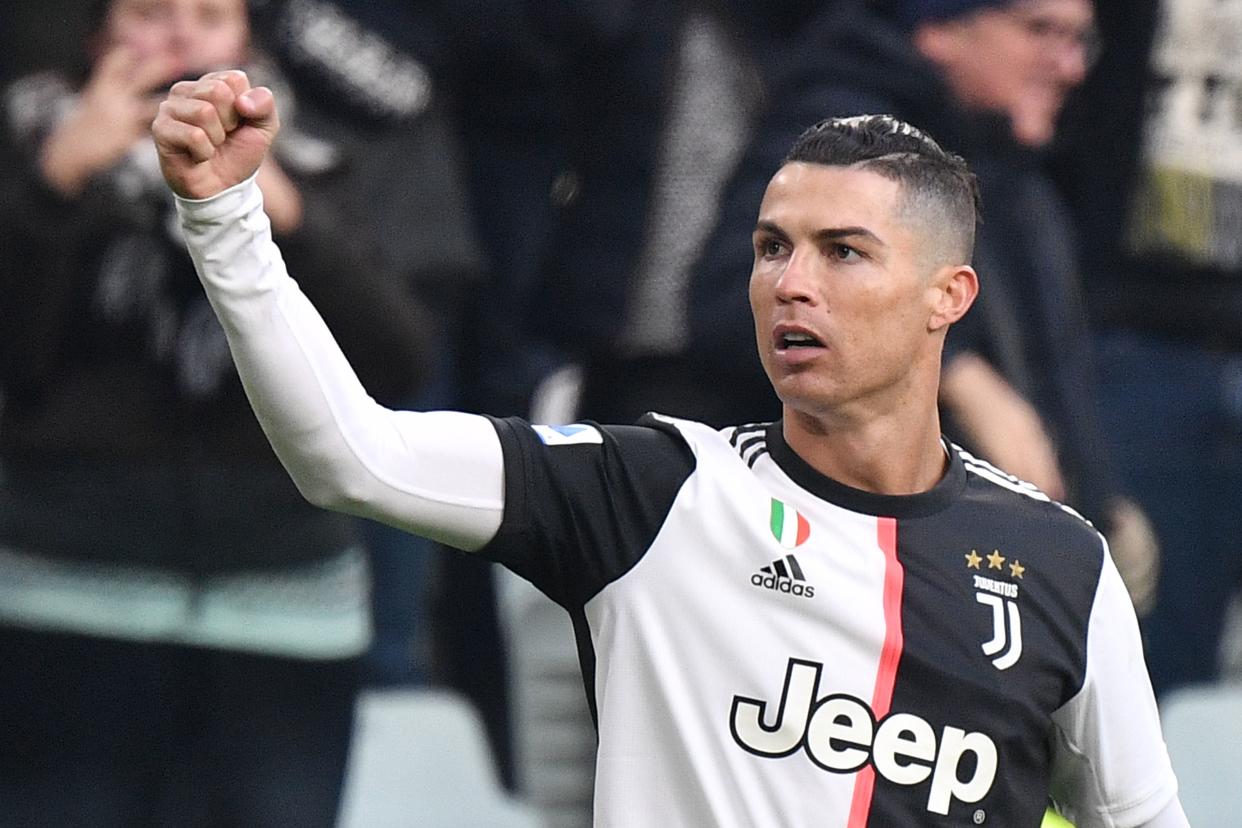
pixel 436 474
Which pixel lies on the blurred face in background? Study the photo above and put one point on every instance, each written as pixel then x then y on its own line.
pixel 1021 59
pixel 197 35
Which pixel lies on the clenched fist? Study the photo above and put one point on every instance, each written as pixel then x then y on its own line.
pixel 214 132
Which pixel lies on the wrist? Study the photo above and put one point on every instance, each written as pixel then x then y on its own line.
pixel 241 198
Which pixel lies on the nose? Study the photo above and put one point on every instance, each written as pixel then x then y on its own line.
pixel 796 282
pixel 182 32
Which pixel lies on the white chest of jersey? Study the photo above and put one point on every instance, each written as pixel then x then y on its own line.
pixel 744 658
pixel 766 647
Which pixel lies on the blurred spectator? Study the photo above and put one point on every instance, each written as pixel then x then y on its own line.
pixel 376 69
pixel 988 78
pixel 653 103
pixel 1153 165
pixel 182 632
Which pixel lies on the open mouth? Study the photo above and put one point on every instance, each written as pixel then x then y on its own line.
pixel 797 340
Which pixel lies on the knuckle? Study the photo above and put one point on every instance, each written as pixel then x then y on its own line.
pixel 204 110
pixel 210 87
pixel 227 76
pixel 221 93
pixel 200 144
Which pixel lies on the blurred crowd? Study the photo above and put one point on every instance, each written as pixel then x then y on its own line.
pixel 544 208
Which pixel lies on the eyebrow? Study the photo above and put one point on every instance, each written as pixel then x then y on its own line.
pixel 828 234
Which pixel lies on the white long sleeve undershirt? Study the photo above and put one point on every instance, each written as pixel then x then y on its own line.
pixel 437 474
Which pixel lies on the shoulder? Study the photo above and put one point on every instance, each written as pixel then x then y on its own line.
pixel 361 69
pixel 654 447
pixel 1014 501
pixel 747 442
pixel 689 431
pixel 1013 491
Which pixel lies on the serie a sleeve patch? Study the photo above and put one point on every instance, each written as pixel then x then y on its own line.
pixel 568 435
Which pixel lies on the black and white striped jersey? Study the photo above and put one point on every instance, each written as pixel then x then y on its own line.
pixel 763 646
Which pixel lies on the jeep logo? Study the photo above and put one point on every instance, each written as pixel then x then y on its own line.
pixel 840 734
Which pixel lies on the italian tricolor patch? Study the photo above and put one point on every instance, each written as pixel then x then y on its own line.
pixel 789 526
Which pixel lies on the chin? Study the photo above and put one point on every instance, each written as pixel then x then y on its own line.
pixel 1034 135
pixel 1037 127
pixel 798 396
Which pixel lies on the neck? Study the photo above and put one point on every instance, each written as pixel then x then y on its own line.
pixel 898 454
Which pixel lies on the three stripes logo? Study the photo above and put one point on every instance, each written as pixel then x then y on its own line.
pixel 783 575
pixel 789 526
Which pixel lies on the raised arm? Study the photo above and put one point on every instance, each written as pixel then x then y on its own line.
pixel 436 474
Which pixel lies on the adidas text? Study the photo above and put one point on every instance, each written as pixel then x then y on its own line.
pixel 787 585
pixel 840 734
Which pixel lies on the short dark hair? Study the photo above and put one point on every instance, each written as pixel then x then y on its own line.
pixel 929 176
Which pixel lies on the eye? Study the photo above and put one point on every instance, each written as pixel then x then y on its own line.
pixel 149 10
pixel 212 16
pixel 844 253
pixel 771 246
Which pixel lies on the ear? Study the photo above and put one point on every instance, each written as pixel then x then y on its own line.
pixel 954 290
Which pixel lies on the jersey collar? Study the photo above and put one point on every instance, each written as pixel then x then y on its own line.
pixel 856 500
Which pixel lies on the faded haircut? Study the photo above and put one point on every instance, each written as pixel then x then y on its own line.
pixel 939 190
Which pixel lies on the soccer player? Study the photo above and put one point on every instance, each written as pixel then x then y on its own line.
pixel 834 619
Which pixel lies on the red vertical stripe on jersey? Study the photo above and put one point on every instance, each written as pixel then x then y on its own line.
pixel 886 676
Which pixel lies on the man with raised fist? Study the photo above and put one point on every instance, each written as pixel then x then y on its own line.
pixel 968 645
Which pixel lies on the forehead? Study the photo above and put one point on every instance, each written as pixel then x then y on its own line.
pixel 810 197
pixel 1035 17
pixel 1077 11
pixel 234 7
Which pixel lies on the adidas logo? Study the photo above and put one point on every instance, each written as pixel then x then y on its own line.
pixel 783 575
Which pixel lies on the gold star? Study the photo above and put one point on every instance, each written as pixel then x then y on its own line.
pixel 972 560
pixel 995 559
pixel 1016 569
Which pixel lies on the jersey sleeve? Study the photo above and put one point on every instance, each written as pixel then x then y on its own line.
pixel 584 502
pixel 1111 768
pixel 436 474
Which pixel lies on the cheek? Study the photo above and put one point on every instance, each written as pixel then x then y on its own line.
pixel 1032 71
pixel 760 290
pixel 890 329
pixel 1002 71
pixel 758 308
